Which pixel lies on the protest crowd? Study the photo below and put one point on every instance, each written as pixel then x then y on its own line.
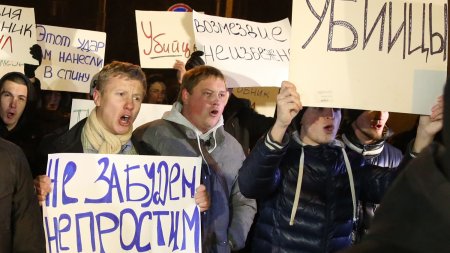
pixel 306 179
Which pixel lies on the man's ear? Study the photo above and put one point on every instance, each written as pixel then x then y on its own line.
pixel 97 96
pixel 185 95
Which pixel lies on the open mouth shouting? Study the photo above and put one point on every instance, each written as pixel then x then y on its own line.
pixel 10 115
pixel 214 112
pixel 329 129
pixel 376 124
pixel 125 120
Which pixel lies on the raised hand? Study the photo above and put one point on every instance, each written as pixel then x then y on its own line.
pixel 429 126
pixel 179 66
pixel 36 53
pixel 288 105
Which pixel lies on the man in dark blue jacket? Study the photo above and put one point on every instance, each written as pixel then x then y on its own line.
pixel 366 133
pixel 414 215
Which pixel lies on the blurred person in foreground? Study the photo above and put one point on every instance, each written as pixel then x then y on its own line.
pixel 21 228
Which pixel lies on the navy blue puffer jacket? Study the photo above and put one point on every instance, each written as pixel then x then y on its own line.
pixel 323 220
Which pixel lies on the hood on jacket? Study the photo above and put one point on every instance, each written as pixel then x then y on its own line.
pixel 23 124
pixel 296 137
pixel 174 115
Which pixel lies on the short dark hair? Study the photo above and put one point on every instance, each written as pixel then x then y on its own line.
pixel 155 78
pixel 118 68
pixel 20 78
pixel 197 74
pixel 195 60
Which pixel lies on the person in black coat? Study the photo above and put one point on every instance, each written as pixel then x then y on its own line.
pixel 21 228
pixel 18 101
pixel 244 123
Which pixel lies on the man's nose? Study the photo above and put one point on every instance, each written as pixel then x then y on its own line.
pixel 329 113
pixel 215 98
pixel 129 103
pixel 14 102
pixel 377 115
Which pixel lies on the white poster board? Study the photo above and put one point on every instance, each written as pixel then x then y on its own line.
pixel 71 57
pixel 17 34
pixel 7 66
pixel 163 37
pixel 388 56
pixel 248 53
pixel 81 108
pixel 122 203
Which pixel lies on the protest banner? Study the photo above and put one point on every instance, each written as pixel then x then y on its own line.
pixel 71 57
pixel 248 53
pixel 263 99
pixel 81 108
pixel 122 203
pixel 163 37
pixel 17 34
pixel 377 55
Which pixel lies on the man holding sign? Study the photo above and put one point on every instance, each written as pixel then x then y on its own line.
pixel 118 96
pixel 194 127
pixel 306 183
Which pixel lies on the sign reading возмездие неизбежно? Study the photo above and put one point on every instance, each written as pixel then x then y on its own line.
pixel 374 55
pixel 248 53
pixel 105 203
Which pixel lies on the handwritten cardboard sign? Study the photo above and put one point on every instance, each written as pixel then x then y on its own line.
pixel 71 57
pixel 163 37
pixel 81 108
pixel 7 66
pixel 17 34
pixel 122 203
pixel 263 99
pixel 379 55
pixel 248 53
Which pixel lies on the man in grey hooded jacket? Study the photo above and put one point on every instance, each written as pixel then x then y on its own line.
pixel 194 127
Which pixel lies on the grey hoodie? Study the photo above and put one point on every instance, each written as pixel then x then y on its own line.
pixel 161 137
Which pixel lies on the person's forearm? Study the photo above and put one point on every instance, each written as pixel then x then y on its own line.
pixel 422 141
pixel 277 132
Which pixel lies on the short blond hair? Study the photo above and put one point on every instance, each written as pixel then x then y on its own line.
pixel 118 68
